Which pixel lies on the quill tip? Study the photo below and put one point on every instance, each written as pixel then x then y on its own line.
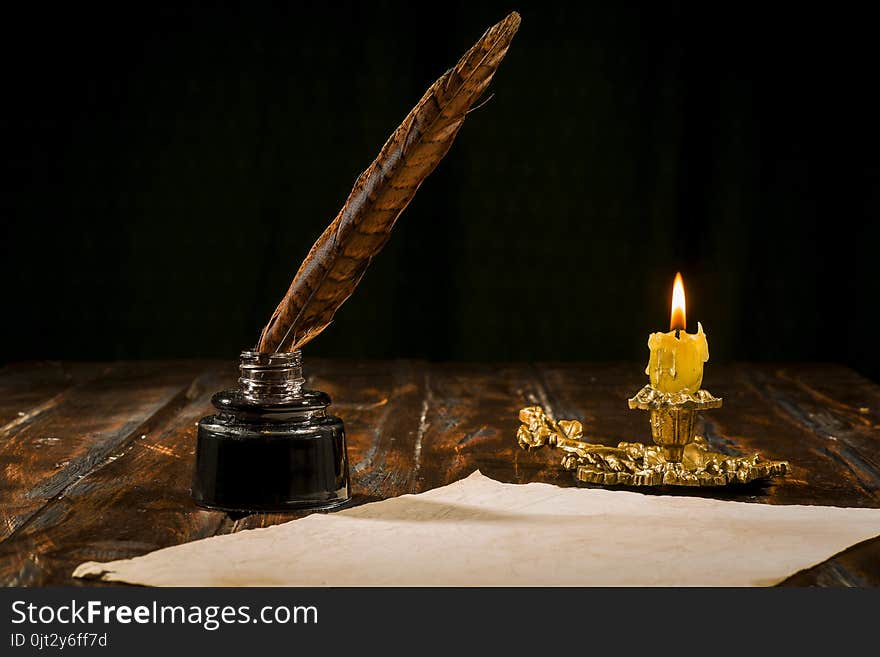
pixel 512 21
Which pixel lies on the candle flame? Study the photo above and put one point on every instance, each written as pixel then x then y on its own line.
pixel 679 317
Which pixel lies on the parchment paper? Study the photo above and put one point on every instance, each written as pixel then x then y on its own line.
pixel 478 531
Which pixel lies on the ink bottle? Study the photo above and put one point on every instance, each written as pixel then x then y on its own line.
pixel 271 446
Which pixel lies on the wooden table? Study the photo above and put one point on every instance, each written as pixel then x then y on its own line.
pixel 97 457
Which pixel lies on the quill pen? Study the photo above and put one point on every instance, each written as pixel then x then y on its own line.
pixel 337 261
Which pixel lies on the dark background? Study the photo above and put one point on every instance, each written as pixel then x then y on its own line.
pixel 166 170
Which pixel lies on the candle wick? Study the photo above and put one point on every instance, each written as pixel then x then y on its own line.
pixel 678 334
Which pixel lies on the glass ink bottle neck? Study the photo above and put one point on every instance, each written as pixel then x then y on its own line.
pixel 270 378
pixel 270 390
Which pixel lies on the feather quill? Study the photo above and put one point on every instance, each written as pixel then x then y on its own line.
pixel 337 261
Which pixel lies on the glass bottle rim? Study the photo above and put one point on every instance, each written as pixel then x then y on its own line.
pixel 279 358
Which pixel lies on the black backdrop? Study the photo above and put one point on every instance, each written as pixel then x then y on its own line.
pixel 166 170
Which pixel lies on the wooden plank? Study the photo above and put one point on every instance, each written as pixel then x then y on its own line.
pixel 596 395
pixel 838 387
pixel 838 407
pixel 136 501
pixel 828 470
pixel 42 458
pixel 470 422
pixel 394 465
pixel 29 389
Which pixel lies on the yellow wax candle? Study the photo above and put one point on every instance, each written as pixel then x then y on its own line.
pixel 676 362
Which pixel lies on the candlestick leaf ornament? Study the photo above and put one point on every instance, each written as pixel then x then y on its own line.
pixel 337 261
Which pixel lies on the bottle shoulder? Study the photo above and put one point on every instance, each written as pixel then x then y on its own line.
pixel 230 426
pixel 233 408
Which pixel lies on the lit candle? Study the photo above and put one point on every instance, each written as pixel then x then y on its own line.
pixel 676 362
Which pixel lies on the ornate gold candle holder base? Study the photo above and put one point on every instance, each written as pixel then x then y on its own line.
pixel 673 417
pixel 678 457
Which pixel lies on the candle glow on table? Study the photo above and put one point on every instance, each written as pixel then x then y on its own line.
pixel 676 362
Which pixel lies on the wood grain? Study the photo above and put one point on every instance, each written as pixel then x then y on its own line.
pixel 134 502
pixel 29 389
pixel 43 457
pixel 125 434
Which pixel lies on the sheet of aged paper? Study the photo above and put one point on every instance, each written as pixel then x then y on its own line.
pixel 478 531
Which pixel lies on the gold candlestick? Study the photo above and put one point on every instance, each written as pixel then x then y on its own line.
pixel 678 457
pixel 673 417
pixel 674 397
